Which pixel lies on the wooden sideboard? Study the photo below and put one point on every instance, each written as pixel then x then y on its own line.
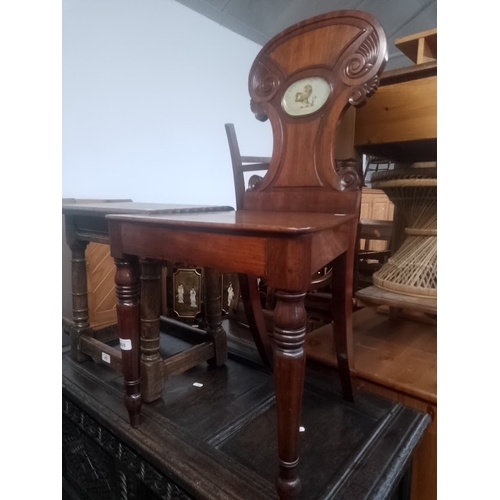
pixel 399 123
pixel 198 441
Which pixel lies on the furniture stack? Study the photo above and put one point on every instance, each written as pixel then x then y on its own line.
pixel 301 216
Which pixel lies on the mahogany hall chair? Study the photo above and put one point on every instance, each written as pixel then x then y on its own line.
pixel 301 216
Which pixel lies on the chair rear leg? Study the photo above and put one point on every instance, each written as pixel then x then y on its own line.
pixel 342 270
pixel 255 317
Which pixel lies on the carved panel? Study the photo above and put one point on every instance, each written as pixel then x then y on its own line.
pixel 303 81
pixel 99 466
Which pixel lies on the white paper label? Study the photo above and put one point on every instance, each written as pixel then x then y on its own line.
pixel 106 357
pixel 197 384
pixel 302 429
pixel 125 344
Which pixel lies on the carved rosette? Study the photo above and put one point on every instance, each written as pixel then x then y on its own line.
pixel 265 81
pixel 360 69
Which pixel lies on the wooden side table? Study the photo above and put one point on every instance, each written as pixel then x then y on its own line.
pixel 85 222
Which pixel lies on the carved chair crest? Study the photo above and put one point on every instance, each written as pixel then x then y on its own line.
pixel 303 80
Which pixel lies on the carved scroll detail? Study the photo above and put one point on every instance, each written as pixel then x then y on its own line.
pixel 361 65
pixel 361 93
pixel 265 83
pixel 347 171
pixel 254 182
pixel 362 61
pixel 265 80
pixel 258 110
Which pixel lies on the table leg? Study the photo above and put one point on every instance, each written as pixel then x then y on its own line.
pixel 342 322
pixel 213 312
pixel 128 289
pixel 80 298
pixel 151 361
pixel 289 369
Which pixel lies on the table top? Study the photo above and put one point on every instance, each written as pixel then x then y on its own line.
pixel 246 221
pixel 133 207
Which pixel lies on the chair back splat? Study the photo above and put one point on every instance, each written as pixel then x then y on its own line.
pixel 303 80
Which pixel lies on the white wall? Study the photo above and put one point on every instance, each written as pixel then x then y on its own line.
pixel 147 88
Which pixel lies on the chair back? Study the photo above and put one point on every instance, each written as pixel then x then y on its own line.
pixel 303 80
pixel 242 164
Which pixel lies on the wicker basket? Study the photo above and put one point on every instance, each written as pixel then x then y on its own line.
pixel 412 270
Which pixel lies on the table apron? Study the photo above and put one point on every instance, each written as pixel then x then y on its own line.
pixel 287 261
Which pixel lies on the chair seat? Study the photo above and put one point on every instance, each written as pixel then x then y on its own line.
pixel 244 221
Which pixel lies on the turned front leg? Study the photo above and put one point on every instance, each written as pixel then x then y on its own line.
pixel 79 298
pixel 213 313
pixel 289 370
pixel 128 290
pixel 151 361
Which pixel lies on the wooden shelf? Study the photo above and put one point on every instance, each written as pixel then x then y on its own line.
pixel 374 296
pixel 419 47
pixel 399 354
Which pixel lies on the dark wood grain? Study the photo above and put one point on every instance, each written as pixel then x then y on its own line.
pixel 213 316
pixel 218 441
pixel 195 355
pixel 100 352
pixel 151 362
pixel 79 294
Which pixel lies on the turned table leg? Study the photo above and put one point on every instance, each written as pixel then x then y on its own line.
pixel 128 289
pixel 213 314
pixel 289 369
pixel 151 361
pixel 79 298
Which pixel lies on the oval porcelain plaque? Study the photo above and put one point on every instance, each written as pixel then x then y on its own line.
pixel 305 96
